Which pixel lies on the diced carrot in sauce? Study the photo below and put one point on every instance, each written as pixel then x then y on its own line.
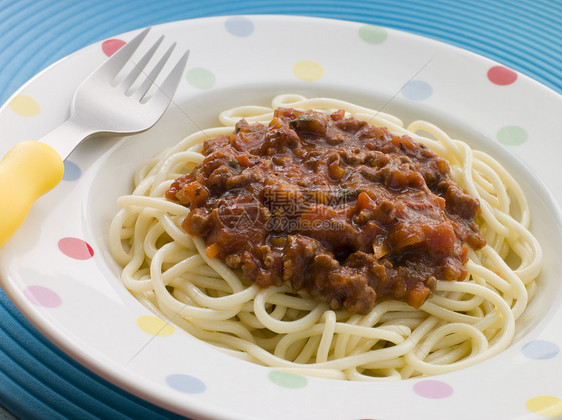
pixel 336 171
pixel 417 295
pixel 212 250
pixel 365 202
pixel 194 193
pixel 380 250
pixel 244 160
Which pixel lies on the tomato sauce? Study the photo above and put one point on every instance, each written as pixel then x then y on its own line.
pixel 332 205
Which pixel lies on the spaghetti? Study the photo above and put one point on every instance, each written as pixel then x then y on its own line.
pixel 462 324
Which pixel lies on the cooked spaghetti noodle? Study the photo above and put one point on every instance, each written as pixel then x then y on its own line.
pixel 463 323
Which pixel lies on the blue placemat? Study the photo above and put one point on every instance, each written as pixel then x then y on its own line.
pixel 39 381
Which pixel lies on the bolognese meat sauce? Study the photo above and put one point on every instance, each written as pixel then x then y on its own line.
pixel 332 205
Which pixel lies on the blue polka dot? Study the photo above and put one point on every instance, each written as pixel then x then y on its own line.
pixel 417 90
pixel 186 383
pixel 540 349
pixel 71 171
pixel 239 26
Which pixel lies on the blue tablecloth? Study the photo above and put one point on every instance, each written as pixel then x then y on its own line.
pixel 37 380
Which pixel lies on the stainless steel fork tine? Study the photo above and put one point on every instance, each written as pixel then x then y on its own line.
pixel 170 83
pixel 140 65
pixel 116 62
pixel 149 80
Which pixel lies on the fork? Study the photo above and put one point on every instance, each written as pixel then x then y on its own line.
pixel 106 102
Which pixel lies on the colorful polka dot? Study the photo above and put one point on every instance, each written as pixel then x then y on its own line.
pixel 540 350
pixel 287 380
pixel 417 90
pixel 25 105
pixel 111 46
pixel 42 296
pixel 433 389
pixel 155 326
pixel 309 71
pixel 201 78
pixel 372 34
pixel 76 248
pixel 512 135
pixel 239 26
pixel 502 76
pixel 71 171
pixel 186 383
pixel 545 405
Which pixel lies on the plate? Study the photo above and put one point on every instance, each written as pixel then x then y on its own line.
pixel 58 272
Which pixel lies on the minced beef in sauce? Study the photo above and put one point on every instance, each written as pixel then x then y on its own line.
pixel 332 205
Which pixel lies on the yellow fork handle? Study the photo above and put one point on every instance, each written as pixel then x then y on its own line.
pixel 29 170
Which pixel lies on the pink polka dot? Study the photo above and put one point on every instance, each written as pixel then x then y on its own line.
pixel 502 76
pixel 76 248
pixel 42 296
pixel 110 46
pixel 433 389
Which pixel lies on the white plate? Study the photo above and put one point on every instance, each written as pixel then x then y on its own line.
pixel 71 291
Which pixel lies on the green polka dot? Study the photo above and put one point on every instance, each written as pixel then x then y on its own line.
pixel 287 380
pixel 512 135
pixel 201 78
pixel 373 34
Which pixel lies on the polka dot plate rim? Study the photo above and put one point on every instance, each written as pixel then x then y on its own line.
pixel 58 272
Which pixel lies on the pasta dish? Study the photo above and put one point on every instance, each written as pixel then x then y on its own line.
pixel 324 238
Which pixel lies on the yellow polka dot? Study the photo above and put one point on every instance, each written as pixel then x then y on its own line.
pixel 545 405
pixel 309 71
pixel 154 326
pixel 25 105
